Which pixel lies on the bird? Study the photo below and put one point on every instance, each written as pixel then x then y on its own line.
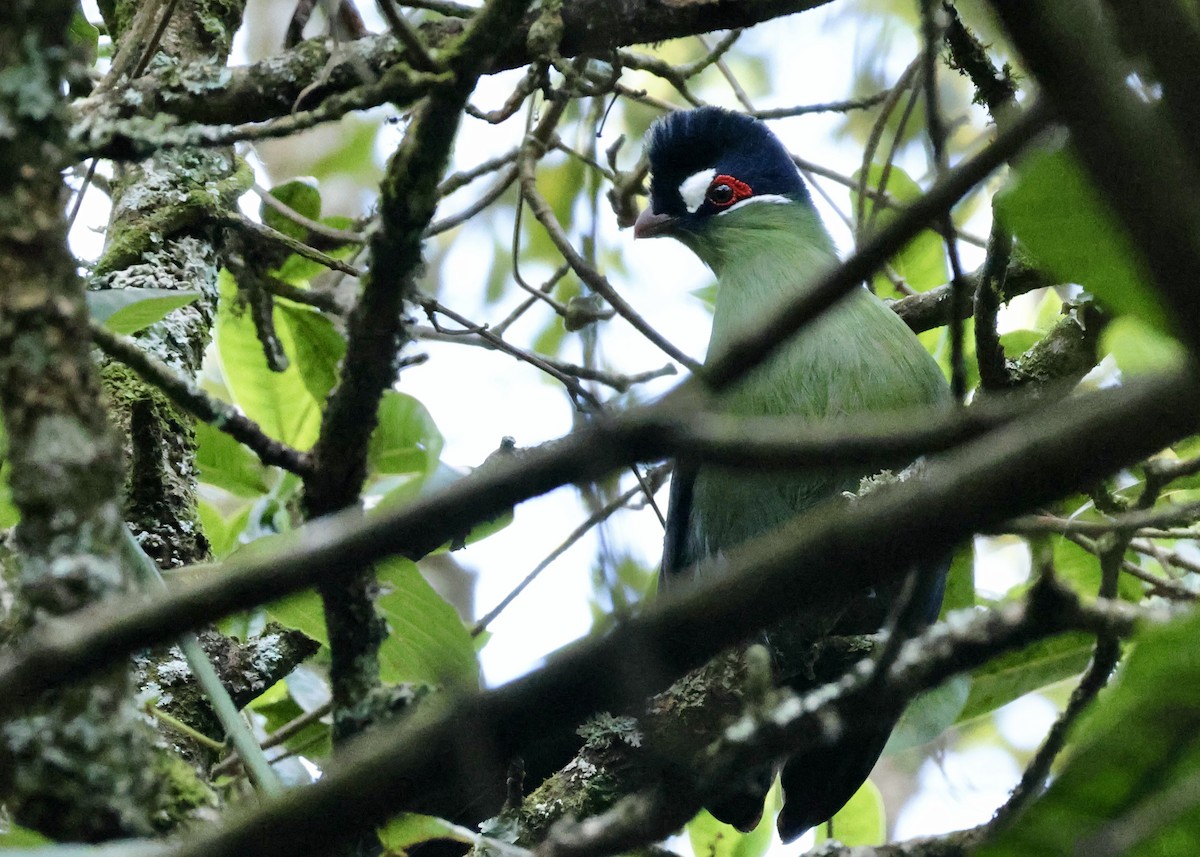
pixel 726 187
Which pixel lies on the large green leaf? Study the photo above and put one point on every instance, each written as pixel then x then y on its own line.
pixel 15 836
pixel 301 197
pixel 960 582
pixel 1138 348
pixel 922 262
pixel 228 464
pixel 930 714
pixel 1056 213
pixel 9 513
pixel 287 405
pixel 406 440
pixel 223 530
pixel 301 611
pixel 712 838
pixel 1081 569
pixel 400 489
pixel 130 310
pixel 83 36
pixel 280 708
pixel 427 641
pixel 412 828
pixel 1131 786
pixel 1011 676
pixel 862 821
pixel 426 644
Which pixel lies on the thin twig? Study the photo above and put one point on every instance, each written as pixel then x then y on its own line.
pixel 521 308
pixel 653 478
pixel 461 179
pixel 932 31
pixel 876 135
pixel 1033 778
pixel 283 733
pixel 417 53
pixel 265 232
pixel 577 391
pixel 316 227
pixel 318 299
pixel 502 183
pixel 150 579
pixel 184 393
pixel 443 7
pixel 594 279
pixel 845 106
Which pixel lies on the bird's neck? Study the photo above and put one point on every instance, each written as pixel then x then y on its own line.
pixel 763 255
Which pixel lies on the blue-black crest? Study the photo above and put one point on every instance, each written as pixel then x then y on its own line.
pixel 683 143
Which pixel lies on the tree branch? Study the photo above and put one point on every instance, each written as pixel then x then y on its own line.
pixel 270 89
pixel 1020 466
pixel 77 764
pixel 184 393
pixel 376 332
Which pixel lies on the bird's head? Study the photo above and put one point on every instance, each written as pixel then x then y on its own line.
pixel 706 164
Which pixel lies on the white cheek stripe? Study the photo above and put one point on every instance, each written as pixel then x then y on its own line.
pixel 694 187
pixel 771 198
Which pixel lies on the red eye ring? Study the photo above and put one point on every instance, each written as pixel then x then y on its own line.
pixel 724 191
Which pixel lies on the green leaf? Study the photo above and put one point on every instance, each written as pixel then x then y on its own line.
pixel 406 440
pixel 427 641
pixel 862 821
pixel 707 295
pixel 301 197
pixel 712 838
pixel 279 708
pixel 1139 348
pixel 1081 569
pixel 937 343
pixel 287 405
pixel 228 464
pixel 930 714
pixel 355 157
pixel 413 828
pixel 1131 781
pixel 313 345
pixel 83 35
pixel 1056 213
pixel 1011 676
pixel 9 514
pixel 22 837
pixel 1017 342
pixel 922 262
pixel 221 530
pixel 301 611
pixel 127 311
pixel 299 271
pixel 960 582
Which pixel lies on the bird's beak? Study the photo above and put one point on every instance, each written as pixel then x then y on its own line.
pixel 650 223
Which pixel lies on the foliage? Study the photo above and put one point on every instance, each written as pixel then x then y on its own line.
pixel 498 336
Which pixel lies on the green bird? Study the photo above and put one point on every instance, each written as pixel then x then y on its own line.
pixel 726 187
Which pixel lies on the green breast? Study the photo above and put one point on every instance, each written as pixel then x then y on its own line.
pixel 857 358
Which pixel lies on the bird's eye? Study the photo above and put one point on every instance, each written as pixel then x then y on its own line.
pixel 724 191
pixel 720 194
